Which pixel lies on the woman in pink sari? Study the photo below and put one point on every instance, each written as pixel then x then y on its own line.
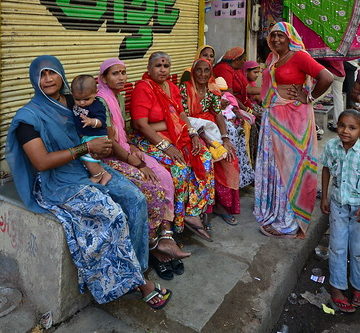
pixel 152 178
pixel 286 165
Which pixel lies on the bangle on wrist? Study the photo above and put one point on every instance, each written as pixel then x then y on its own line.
pixel 163 145
pixel 79 150
pixel 72 153
pixel 225 136
pixel 192 131
pixel 310 98
pixel 96 123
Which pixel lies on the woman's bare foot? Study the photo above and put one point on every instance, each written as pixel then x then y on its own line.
pixel 105 178
pixel 161 256
pixel 149 287
pixel 195 223
pixel 336 293
pixel 170 248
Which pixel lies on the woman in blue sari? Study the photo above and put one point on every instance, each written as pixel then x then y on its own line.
pixel 105 226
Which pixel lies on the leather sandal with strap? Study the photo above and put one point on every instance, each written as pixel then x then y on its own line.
pixel 356 298
pixel 342 304
pixel 195 229
pixel 157 292
pixel 163 269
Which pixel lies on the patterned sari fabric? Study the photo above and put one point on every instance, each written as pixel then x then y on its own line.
pixel 286 166
pixel 99 240
pixel 194 182
pixel 105 226
pixel 226 173
pixel 159 196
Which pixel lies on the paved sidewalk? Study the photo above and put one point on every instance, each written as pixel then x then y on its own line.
pixel 238 283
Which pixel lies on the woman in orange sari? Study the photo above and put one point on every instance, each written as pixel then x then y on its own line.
pixel 203 100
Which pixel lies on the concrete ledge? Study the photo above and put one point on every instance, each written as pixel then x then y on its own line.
pixel 47 275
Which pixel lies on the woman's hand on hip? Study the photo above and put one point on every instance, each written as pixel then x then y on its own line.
pixel 196 145
pixel 175 154
pixel 148 174
pixel 231 150
pixel 100 147
pixel 297 92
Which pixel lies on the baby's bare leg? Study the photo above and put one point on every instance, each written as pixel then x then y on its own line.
pixel 98 173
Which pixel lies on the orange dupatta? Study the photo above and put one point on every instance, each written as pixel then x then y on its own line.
pixel 176 128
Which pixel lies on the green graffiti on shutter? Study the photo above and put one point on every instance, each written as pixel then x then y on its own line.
pixel 83 11
pixel 140 18
pixel 140 12
pixel 166 16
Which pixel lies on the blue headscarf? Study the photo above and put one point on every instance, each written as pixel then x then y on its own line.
pixel 55 124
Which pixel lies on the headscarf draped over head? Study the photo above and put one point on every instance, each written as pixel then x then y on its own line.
pixel 193 100
pixel 295 41
pixel 201 48
pixel 111 100
pixel 56 127
pixel 295 44
pixel 233 53
pixel 249 65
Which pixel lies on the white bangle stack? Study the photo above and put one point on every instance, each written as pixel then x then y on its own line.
pixel 309 98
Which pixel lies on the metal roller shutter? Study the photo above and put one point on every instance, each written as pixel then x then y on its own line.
pixel 82 33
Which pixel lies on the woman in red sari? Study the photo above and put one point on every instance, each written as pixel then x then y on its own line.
pixel 201 100
pixel 164 132
pixel 229 68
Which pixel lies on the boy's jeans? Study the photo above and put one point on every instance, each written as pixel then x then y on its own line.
pixel 344 236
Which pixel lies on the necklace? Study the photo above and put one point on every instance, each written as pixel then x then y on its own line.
pixel 284 56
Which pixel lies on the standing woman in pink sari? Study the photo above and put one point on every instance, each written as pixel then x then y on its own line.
pixel 286 165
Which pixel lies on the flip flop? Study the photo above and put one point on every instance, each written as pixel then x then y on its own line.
pixel 163 269
pixel 271 232
pixel 228 218
pixel 177 266
pixel 195 229
pixel 342 304
pixel 157 292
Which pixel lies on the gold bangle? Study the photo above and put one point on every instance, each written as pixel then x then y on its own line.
pixel 72 153
pixel 80 150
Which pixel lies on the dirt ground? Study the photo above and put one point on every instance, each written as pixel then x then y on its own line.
pixel 307 318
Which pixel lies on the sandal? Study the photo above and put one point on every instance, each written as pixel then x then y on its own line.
pixel 356 298
pixel 206 222
pixel 195 229
pixel 157 292
pixel 269 231
pixel 342 304
pixel 228 218
pixel 163 269
pixel 177 266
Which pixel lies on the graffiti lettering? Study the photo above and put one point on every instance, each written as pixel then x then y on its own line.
pixel 126 16
pixel 32 247
pixel 8 228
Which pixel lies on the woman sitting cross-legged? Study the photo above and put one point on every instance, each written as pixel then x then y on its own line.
pixel 105 225
pixel 202 102
pixel 144 171
pixel 164 132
